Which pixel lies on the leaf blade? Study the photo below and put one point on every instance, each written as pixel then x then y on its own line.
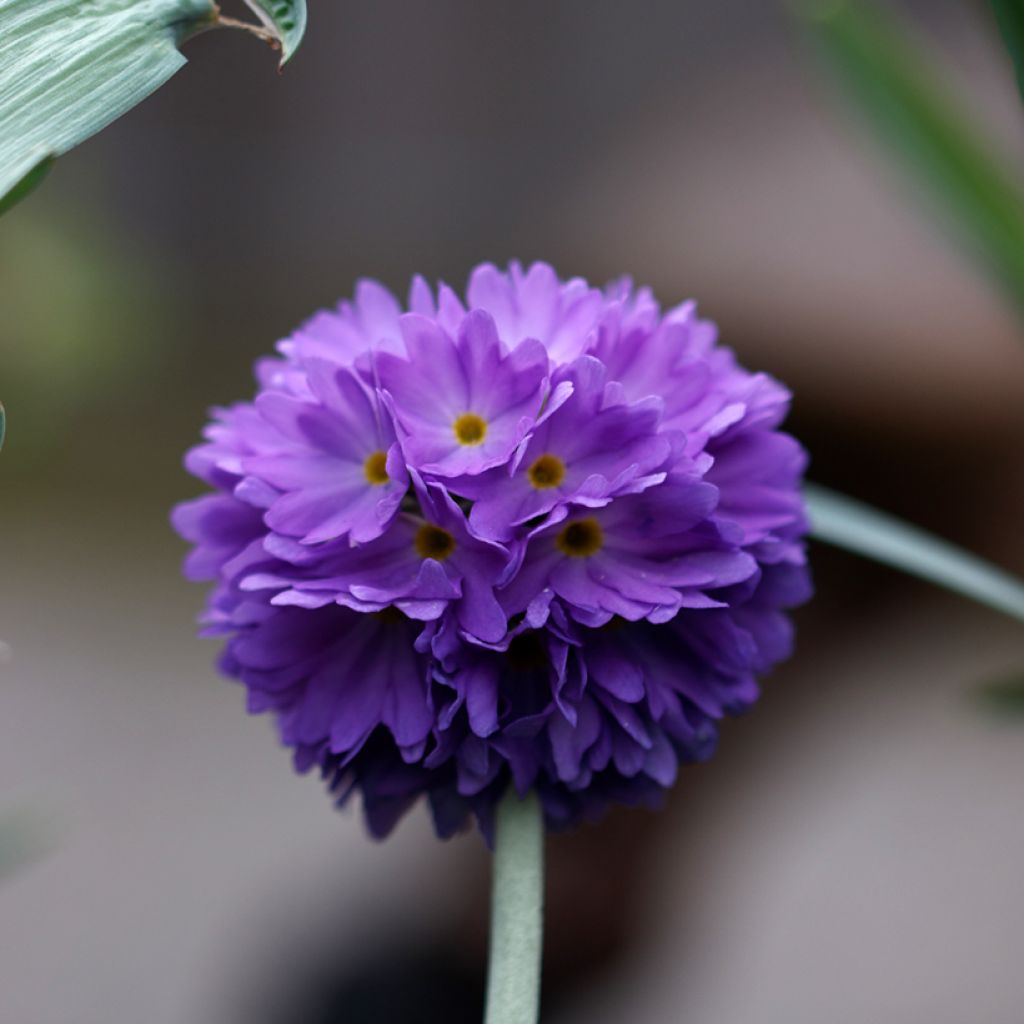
pixel 26 185
pixel 286 19
pixel 68 70
pixel 854 526
pixel 900 94
pixel 1010 18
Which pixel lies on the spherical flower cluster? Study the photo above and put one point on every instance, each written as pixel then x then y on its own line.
pixel 540 538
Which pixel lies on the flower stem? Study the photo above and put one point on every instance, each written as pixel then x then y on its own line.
pixel 517 896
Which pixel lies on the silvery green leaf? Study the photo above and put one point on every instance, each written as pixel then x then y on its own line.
pixel 3 424
pixel 864 530
pixel 285 19
pixel 906 99
pixel 69 68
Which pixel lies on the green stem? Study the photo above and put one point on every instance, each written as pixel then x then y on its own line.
pixel 517 898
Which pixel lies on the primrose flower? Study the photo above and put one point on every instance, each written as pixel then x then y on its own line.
pixel 543 538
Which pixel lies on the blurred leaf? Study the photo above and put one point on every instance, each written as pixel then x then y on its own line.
pixel 864 530
pixel 3 424
pixel 68 69
pixel 286 19
pixel 1004 697
pixel 29 182
pixel 1010 15
pixel 901 94
pixel 82 288
pixel 24 837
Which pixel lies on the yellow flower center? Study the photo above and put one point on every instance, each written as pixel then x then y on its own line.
pixel 581 538
pixel 547 471
pixel 376 468
pixel 469 429
pixel 433 542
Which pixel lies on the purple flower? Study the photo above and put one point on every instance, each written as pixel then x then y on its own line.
pixel 425 565
pixel 588 447
pixel 334 676
pixel 462 404
pixel 645 556
pixel 545 537
pixel 335 465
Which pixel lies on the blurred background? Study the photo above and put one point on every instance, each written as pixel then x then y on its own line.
pixel 852 854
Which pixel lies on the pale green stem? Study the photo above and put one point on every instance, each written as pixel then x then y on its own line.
pixel 517 912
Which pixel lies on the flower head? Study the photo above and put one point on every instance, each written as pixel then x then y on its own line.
pixel 543 538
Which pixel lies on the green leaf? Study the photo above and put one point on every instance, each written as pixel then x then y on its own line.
pixel 3 424
pixel 1004 697
pixel 286 20
pixel 901 94
pixel 29 182
pixel 68 68
pixel 1010 16
pixel 864 530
